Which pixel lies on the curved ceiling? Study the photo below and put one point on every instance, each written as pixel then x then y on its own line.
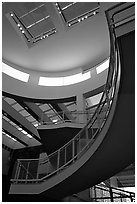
pixel 81 46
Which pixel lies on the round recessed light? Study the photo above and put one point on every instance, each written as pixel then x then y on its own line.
pixel 11 14
pixel 23 31
pixel 18 25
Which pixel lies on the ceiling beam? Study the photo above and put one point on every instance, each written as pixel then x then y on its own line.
pixel 34 109
pixel 19 120
pixel 14 132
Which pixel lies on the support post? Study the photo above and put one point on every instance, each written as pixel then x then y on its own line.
pixel 81 109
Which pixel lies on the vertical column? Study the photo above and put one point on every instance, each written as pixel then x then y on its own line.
pixel 82 118
pixel 81 109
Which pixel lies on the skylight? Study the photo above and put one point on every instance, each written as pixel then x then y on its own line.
pixel 14 73
pixel 33 21
pixel 76 78
pixel 75 12
pixel 63 81
pixel 51 81
pixel 102 67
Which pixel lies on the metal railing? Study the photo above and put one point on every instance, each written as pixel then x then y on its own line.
pixel 78 117
pixel 38 170
pixel 111 194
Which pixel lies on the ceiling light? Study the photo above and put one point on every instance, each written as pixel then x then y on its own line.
pixel 44 36
pixel 24 132
pixel 13 139
pixel 23 31
pixel 28 135
pixel 19 129
pixel 55 120
pixel 18 25
pixel 20 28
pixel 11 14
pixel 86 16
pixel 36 125
pixel 94 13
pixel 78 20
pixel 82 19
pixel 8 135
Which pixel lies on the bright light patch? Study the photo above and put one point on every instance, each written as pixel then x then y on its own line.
pixel 13 139
pixel 24 132
pixel 50 81
pixel 102 67
pixel 54 121
pixel 14 73
pixel 76 78
pixel 62 81
pixel 28 135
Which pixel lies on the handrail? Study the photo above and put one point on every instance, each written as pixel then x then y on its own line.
pixel 54 164
pixel 70 113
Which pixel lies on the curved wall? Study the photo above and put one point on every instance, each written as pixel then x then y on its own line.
pixel 32 90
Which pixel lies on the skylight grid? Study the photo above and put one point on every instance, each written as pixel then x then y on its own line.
pixel 75 12
pixel 34 25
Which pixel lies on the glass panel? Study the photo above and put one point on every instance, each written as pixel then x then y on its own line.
pixel 69 152
pixel 78 9
pixel 53 160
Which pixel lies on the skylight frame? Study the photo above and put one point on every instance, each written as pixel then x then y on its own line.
pixel 80 17
pixel 24 32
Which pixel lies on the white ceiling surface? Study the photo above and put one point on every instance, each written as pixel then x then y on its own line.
pixel 83 45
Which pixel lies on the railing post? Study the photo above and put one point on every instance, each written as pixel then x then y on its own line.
pixel 58 160
pixel 107 99
pixel 98 119
pixel 27 170
pixel 111 194
pixel 63 116
pixel 42 119
pixel 18 171
pixel 65 156
pixel 131 198
pixel 86 131
pixel 121 197
pixel 73 149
